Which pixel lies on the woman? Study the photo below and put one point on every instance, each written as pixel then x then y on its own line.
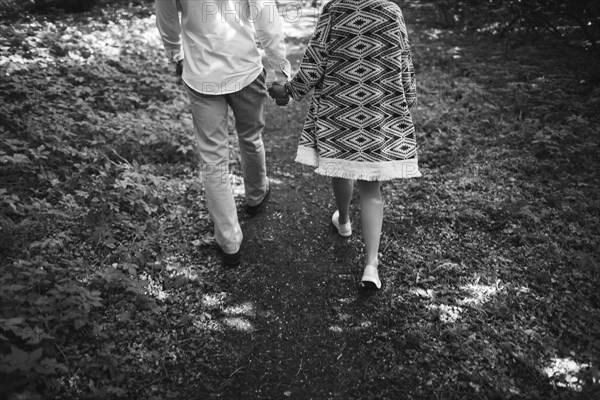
pixel 359 126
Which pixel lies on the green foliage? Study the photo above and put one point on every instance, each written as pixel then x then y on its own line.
pixel 88 145
pixel 109 290
pixel 14 9
pixel 37 318
pixel 67 5
pixel 577 20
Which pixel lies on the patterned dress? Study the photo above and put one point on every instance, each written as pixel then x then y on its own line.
pixel 359 64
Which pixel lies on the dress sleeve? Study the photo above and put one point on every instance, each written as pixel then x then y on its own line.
pixel 312 67
pixel 409 82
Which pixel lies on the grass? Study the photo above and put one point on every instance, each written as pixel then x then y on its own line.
pixel 110 287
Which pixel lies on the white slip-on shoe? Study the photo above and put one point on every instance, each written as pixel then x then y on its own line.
pixel 344 230
pixel 370 278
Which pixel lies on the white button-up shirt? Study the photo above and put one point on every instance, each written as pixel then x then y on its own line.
pixel 218 39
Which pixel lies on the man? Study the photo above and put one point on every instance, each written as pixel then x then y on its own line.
pixel 214 49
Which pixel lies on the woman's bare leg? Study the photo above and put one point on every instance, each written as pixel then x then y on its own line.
pixel 342 190
pixel 371 212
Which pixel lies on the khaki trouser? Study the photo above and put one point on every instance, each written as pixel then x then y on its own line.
pixel 210 123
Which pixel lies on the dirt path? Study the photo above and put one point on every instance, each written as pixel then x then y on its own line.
pixel 297 273
pixel 307 330
pixel 296 276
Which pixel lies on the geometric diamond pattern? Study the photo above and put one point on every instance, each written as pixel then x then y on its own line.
pixel 360 117
pixel 361 45
pixel 359 94
pixel 359 64
pixel 358 23
pixel 361 71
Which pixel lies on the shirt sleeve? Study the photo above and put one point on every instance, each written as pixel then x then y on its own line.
pixel 269 31
pixel 314 61
pixel 169 27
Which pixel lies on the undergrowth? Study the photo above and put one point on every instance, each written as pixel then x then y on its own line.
pixel 492 257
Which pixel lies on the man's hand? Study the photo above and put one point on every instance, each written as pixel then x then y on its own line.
pixel 279 93
pixel 179 68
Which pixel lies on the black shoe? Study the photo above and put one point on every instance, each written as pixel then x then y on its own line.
pixel 229 260
pixel 253 210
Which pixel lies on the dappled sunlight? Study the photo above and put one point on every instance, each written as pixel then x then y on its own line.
pixel 472 295
pixel 236 178
pixel 236 315
pixel 455 52
pixel 336 329
pixel 246 309
pixel 44 43
pixel 179 269
pixel 434 33
pixel 206 324
pixel 275 181
pixel 479 294
pixel 238 323
pixel 427 294
pixel 446 313
pixel 349 324
pixel 564 372
pixel 493 27
pixel 366 324
pixel 360 326
pixel 237 184
pixel 152 287
pixel 213 300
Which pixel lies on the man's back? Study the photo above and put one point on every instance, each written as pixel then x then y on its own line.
pixel 218 40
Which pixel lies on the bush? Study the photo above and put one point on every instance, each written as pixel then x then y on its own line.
pixel 10 9
pixel 574 19
pixel 72 6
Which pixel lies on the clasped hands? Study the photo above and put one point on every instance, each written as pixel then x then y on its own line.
pixel 279 93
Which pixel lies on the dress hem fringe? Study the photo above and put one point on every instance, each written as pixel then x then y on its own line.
pixel 356 170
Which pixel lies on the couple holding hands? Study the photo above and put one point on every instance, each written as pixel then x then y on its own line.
pixel 358 129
